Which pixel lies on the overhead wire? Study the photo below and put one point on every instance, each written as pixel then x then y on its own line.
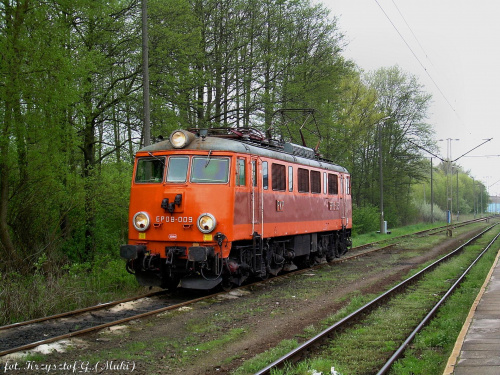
pixel 416 57
pixel 412 33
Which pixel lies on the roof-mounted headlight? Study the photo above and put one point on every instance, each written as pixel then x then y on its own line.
pixel 181 138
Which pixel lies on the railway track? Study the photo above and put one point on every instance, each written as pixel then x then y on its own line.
pixel 425 232
pixel 306 349
pixel 30 334
pixel 27 335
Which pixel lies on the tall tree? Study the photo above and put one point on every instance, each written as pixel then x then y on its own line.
pixel 106 43
pixel 176 65
pixel 236 62
pixel 350 139
pixel 13 34
pixel 403 100
pixel 60 92
pixel 34 92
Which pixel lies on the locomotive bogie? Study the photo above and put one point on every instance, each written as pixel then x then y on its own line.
pixel 206 211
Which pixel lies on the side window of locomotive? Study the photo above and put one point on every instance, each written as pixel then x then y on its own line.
pixel 150 170
pixel 240 172
pixel 348 185
pixel 290 178
pixel 210 170
pixel 177 169
pixel 315 182
pixel 265 176
pixel 303 177
pixel 278 176
pixel 333 184
pixel 325 183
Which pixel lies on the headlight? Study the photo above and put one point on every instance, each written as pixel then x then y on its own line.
pixel 181 138
pixel 141 221
pixel 206 223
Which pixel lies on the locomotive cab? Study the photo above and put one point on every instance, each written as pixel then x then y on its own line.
pixel 177 229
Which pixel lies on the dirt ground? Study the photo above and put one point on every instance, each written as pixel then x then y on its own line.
pixel 217 336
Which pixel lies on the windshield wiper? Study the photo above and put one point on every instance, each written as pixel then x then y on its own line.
pixel 208 160
pixel 163 160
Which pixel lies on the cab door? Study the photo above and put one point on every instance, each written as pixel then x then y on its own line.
pixel 342 201
pixel 256 198
pixel 345 199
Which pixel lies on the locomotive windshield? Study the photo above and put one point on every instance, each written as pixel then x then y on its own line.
pixel 150 170
pixel 210 170
pixel 177 169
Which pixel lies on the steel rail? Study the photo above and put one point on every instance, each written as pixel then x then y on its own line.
pixel 436 230
pixel 79 311
pixel 298 351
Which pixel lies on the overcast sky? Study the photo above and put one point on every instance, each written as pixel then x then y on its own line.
pixel 454 51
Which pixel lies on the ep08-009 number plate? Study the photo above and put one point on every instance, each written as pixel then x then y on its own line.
pixel 175 219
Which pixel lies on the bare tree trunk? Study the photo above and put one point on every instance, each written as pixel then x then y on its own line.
pixel 8 253
pixel 145 74
pixel 13 21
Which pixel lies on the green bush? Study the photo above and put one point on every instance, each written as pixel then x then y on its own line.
pixel 365 219
pixel 426 214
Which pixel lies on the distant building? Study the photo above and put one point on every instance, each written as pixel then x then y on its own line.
pixel 494 205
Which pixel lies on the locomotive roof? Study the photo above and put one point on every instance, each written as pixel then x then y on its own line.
pixel 267 149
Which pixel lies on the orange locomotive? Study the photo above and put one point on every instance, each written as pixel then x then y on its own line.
pixel 218 206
